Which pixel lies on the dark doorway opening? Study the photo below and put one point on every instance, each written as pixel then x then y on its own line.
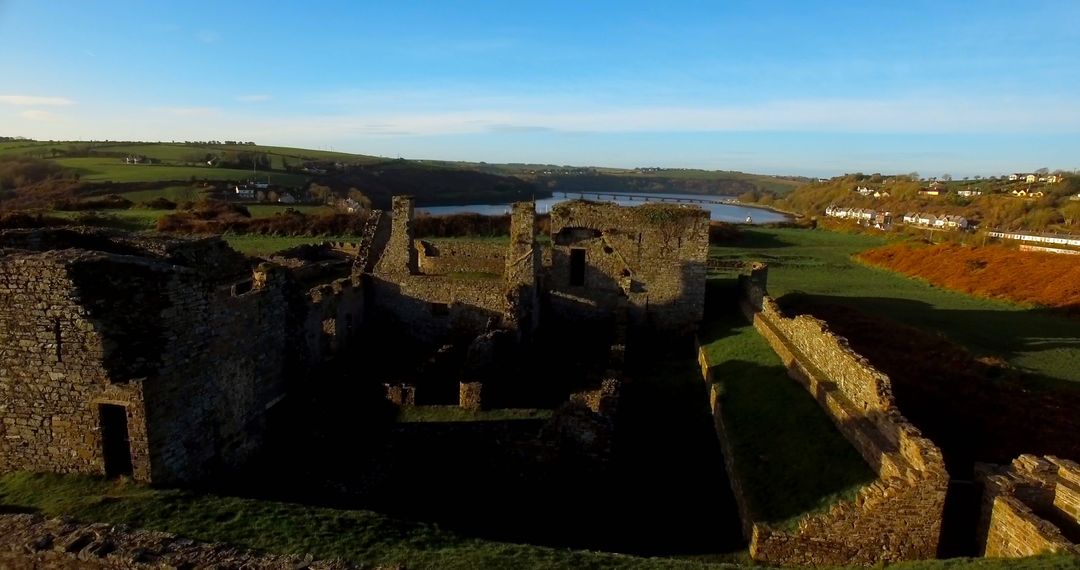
pixel 577 266
pixel 115 443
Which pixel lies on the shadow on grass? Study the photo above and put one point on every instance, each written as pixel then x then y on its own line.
pixel 974 409
pixel 1006 334
pixel 757 239
pixel 790 457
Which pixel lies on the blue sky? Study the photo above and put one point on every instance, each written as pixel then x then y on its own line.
pixel 797 87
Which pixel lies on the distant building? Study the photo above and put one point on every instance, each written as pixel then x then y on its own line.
pixel 245 192
pixel 969 193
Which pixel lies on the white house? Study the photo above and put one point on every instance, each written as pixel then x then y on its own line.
pixel 1054 178
pixel 1031 178
pixel 245 193
pixel 969 193
pixel 911 218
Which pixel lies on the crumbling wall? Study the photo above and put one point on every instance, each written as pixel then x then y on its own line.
pixel 193 358
pixel 32 541
pixel 54 374
pixel 332 316
pixel 652 255
pixel 429 307
pixel 441 257
pixel 222 370
pixel 898 516
pixel 1030 507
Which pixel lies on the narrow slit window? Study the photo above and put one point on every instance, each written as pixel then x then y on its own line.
pixel 59 341
pixel 577 267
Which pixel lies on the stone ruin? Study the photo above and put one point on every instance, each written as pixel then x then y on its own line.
pixel 1030 507
pixel 161 358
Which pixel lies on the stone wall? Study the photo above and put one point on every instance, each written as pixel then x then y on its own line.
pixel 1030 507
pixel 441 257
pixel 431 308
pixel 193 357
pixel 653 255
pixel 52 372
pixel 898 516
pixel 331 316
pixel 32 541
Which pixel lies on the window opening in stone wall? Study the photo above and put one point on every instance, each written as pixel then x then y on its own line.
pixel 115 441
pixel 577 266
pixel 241 288
pixel 58 340
pixel 440 309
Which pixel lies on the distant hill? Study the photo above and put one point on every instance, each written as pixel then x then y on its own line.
pixel 93 167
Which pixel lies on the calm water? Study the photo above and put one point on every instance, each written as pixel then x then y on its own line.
pixel 718 212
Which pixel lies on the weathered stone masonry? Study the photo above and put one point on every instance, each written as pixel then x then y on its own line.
pixel 898 516
pixel 650 258
pixel 182 335
pixel 1030 507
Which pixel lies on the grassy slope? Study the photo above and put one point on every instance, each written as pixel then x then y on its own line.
pixel 791 459
pixel 264 245
pixel 329 533
pixel 819 263
pixel 103 169
pixel 283 527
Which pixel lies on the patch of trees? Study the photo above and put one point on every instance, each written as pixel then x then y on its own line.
pixel 18 171
pixel 657 184
pixel 107 202
pixel 215 217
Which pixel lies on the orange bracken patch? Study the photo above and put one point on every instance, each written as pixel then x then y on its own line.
pixel 999 272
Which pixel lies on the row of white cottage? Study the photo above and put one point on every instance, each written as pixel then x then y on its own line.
pixel 946 222
pixel 882 219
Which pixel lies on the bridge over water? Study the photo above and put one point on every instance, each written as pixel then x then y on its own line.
pixel 642 198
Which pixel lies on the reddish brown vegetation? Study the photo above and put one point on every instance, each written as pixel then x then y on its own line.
pixel 975 409
pixel 1045 279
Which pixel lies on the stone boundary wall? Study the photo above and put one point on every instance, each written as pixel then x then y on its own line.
pixel 32 541
pixel 898 516
pixel 442 257
pixel 1016 500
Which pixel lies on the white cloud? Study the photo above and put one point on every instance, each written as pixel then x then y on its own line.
pixel 255 98
pixel 35 100
pixel 38 115
pixel 188 111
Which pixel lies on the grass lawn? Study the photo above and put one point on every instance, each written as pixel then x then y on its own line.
pixel 414 414
pixel 358 535
pixel 106 168
pixel 819 264
pixel 790 457
pixel 363 536
pixel 268 210
pixel 178 194
pixel 134 219
pixel 263 245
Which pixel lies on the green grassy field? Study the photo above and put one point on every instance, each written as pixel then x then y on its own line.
pixel 264 245
pixel 178 194
pixel 268 210
pixel 363 536
pixel 791 459
pixel 135 219
pixel 111 169
pixel 819 263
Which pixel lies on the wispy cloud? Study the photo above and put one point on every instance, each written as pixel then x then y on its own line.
pixel 188 111
pixel 208 36
pixel 33 100
pixel 38 115
pixel 255 98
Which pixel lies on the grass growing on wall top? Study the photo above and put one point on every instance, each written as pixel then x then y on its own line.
pixel 791 459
